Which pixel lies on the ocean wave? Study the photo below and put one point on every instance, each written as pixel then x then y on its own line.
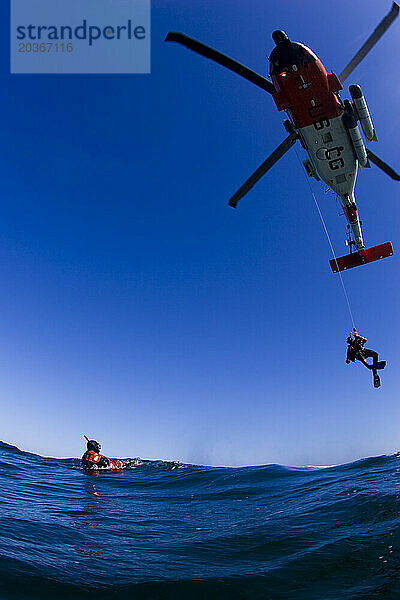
pixel 161 530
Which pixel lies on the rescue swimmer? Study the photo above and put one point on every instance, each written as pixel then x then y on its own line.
pixel 356 351
pixel 92 459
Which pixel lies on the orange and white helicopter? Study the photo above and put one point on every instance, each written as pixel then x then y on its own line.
pixel 326 126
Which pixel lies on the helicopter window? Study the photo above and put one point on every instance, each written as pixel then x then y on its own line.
pixel 287 54
pixel 327 137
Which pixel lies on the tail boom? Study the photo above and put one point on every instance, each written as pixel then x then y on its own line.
pixel 350 210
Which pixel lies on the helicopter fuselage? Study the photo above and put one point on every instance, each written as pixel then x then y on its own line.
pixel 309 96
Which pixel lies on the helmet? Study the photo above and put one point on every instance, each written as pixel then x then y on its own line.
pixel 93 445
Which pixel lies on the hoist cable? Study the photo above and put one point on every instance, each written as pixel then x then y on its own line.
pixel 330 244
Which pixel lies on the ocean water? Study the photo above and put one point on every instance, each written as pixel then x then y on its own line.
pixel 160 530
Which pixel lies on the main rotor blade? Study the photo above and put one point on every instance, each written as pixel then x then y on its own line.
pixel 263 168
pixel 221 59
pixel 371 41
pixel 382 165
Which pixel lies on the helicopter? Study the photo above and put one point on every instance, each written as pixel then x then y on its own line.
pixel 326 126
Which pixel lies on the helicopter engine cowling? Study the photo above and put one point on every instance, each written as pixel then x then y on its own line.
pixel 356 139
pixel 362 112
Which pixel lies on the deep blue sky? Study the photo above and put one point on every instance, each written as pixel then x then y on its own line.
pixel 138 308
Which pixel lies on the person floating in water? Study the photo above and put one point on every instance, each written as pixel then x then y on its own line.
pixel 92 459
pixel 356 351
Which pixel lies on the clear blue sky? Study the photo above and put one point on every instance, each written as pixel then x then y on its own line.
pixel 138 308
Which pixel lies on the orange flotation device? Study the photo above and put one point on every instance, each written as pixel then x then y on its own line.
pixel 94 460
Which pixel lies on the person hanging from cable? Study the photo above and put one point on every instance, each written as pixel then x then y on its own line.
pixel 356 351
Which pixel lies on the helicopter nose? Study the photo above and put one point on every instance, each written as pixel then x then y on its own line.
pixel 279 36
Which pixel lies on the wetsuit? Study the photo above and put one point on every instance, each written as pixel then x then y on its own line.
pixel 94 460
pixel 357 351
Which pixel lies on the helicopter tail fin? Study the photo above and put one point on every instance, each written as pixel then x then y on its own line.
pixel 366 255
